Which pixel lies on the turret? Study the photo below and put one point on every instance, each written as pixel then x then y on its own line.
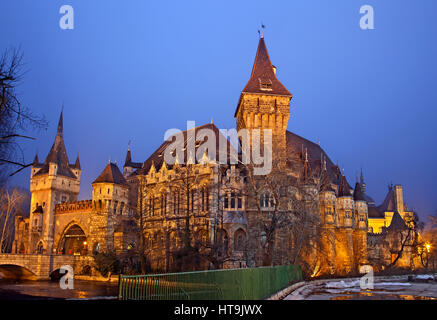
pixel 76 167
pixel 361 208
pixel 110 191
pixel 129 165
pixel 345 203
pixel 327 199
pixel 110 199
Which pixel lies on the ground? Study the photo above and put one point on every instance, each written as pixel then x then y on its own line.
pixel 387 288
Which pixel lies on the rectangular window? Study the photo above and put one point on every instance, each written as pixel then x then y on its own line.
pixel 240 202
pixel 232 200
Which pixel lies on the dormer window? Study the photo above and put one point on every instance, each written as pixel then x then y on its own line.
pixel 265 84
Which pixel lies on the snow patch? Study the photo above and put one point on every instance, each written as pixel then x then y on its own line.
pixel 356 283
pixel 425 277
pixel 392 284
pixel 342 284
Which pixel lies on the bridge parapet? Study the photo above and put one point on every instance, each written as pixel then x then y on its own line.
pixel 42 265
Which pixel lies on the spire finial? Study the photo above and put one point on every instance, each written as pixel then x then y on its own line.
pixel 61 123
pixel 128 145
pixel 260 31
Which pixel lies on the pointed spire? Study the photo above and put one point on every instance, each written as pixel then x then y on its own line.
pixel 58 154
pixel 358 193
pixel 263 78
pixel 77 163
pixel 306 167
pixel 343 188
pixel 128 158
pixel 35 160
pixel 61 123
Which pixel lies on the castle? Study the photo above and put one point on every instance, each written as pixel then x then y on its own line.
pixel 201 214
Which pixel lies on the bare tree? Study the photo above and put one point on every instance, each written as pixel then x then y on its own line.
pixel 404 241
pixel 286 213
pixel 12 201
pixel 15 118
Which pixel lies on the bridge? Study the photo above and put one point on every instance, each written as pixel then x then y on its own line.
pixel 39 266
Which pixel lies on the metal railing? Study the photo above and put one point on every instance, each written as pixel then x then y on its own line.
pixel 227 284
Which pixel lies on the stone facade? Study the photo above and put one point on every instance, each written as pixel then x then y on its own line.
pixel 201 213
pixel 58 223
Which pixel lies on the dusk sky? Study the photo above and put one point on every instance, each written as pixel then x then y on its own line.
pixel 130 70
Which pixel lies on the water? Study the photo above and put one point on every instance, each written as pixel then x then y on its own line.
pixel 17 290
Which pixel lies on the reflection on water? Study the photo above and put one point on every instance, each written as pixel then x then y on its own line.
pixel 51 289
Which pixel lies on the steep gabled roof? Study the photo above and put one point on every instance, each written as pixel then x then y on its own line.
pixel 263 79
pixel 297 145
pixel 397 223
pixel 111 174
pixel 58 155
pixel 262 73
pixel 389 202
pixel 157 158
pixel 129 163
pixel 373 212
pixel 343 188
pixel 358 193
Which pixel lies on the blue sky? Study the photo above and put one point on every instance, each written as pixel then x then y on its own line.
pixel 130 70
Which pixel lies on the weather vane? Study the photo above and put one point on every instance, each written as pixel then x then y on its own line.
pixel 260 31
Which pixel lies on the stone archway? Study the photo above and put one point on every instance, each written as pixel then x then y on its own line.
pixel 73 241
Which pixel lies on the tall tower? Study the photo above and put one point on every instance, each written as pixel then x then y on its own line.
pixel 264 102
pixel 51 182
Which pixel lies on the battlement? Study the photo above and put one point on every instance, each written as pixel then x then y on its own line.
pixel 76 206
